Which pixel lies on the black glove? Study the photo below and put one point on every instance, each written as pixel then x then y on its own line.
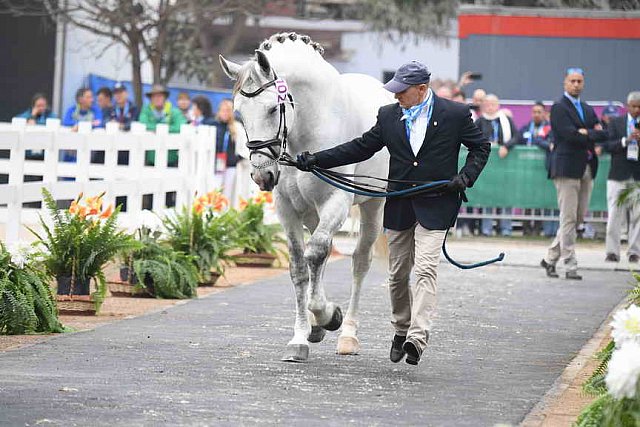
pixel 458 184
pixel 305 161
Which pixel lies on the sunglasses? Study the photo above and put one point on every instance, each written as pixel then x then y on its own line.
pixel 574 70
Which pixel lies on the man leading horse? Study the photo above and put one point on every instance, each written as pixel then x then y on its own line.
pixel 422 133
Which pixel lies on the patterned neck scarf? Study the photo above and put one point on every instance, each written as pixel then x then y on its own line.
pixel 409 115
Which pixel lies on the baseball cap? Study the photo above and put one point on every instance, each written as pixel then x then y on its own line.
pixel 119 86
pixel 409 74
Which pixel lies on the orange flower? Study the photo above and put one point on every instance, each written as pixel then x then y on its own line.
pixel 198 208
pixel 73 209
pixel 243 204
pixel 268 195
pixel 220 203
pixel 82 211
pixel 107 212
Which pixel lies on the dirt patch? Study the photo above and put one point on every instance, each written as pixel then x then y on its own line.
pixel 118 308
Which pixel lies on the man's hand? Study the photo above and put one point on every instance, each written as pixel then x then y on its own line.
pixel 305 161
pixel 503 151
pixel 458 183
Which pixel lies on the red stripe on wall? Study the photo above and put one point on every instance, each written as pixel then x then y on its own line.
pixel 534 26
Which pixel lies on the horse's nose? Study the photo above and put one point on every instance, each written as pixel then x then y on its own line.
pixel 269 182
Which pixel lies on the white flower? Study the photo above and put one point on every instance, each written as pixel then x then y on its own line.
pixel 623 370
pixel 626 325
pixel 20 252
pixel 150 221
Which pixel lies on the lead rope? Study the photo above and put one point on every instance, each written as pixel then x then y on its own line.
pixel 342 182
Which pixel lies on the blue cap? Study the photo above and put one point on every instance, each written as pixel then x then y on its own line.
pixel 611 111
pixel 119 86
pixel 410 74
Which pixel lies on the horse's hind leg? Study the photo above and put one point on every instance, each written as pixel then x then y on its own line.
pixel 370 227
pixel 333 214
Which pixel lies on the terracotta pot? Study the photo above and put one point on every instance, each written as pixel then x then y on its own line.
pixel 76 305
pixel 254 260
pixel 81 286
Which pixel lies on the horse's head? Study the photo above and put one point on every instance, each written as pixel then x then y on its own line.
pixel 266 108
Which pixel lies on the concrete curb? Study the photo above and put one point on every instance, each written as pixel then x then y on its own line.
pixel 538 415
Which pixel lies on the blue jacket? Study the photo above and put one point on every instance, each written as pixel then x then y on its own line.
pixel 75 115
pixel 123 116
pixel 40 119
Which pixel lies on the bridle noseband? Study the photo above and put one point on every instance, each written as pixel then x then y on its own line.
pixel 258 146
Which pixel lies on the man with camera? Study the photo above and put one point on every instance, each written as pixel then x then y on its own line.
pixel 624 134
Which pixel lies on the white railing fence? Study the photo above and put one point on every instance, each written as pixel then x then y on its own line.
pixel 115 162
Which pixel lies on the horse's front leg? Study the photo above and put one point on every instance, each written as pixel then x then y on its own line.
pixel 332 215
pixel 298 347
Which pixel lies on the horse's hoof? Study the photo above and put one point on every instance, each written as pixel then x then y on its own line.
pixel 297 353
pixel 336 320
pixel 317 334
pixel 348 345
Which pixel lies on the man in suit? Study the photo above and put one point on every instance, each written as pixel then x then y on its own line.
pixel 625 169
pixel 573 167
pixel 423 133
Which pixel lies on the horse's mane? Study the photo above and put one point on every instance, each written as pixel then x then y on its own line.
pixel 276 42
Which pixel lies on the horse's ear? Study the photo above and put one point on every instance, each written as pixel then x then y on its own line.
pixel 263 62
pixel 230 68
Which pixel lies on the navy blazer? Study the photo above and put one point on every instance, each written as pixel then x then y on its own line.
pixel 572 150
pixel 437 159
pixel 621 168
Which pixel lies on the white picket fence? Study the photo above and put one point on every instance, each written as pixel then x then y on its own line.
pixel 133 181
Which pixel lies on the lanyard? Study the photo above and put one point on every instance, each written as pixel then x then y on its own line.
pixel 225 141
pixel 125 112
pixel 631 124
pixel 495 124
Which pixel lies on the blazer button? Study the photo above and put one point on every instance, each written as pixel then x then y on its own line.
pixel 415 163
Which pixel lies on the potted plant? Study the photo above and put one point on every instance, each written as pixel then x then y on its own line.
pixel 80 241
pixel 205 231
pixel 165 273
pixel 26 301
pixel 256 239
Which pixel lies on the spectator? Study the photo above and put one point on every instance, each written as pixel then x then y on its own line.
pixel 459 96
pixel 231 153
pixel 83 111
pixel 104 100
pixel 160 110
pixel 184 104
pixel 609 112
pixel 625 169
pixel 476 103
pixel 39 111
pixel 123 111
pixel 573 167
pixel 537 133
pixel 499 129
pixel 444 92
pixel 201 111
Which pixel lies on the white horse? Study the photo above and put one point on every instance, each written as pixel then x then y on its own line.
pixel 315 109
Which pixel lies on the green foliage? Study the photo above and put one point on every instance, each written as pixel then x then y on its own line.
pixel 595 385
pixel 205 236
pixel 592 415
pixel 172 273
pixel 26 302
pixel 254 236
pixel 81 241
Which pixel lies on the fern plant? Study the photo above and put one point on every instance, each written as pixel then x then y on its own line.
pixel 26 302
pixel 204 231
pixel 81 240
pixel 162 271
pixel 254 236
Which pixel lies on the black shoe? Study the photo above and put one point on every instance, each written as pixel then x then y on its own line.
pixel 413 352
pixel 614 258
pixel 573 275
pixel 550 268
pixel 633 258
pixel 397 353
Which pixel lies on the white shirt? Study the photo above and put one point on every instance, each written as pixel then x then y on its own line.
pixel 419 128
